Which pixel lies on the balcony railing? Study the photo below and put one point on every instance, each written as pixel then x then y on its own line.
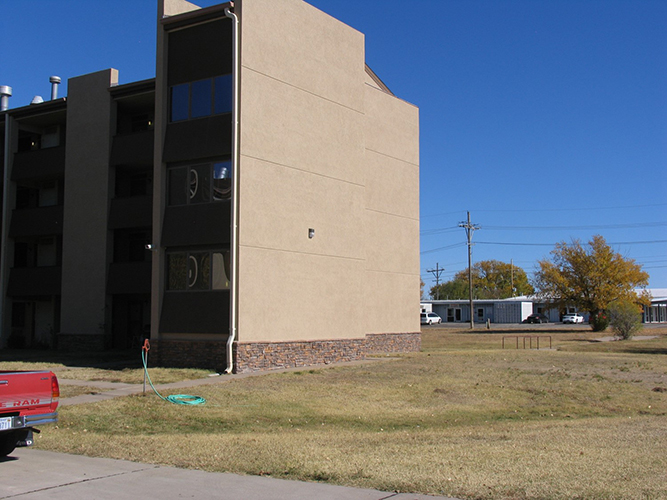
pixel 41 221
pixel 30 281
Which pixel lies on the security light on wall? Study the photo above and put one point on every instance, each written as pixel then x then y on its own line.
pixel 311 233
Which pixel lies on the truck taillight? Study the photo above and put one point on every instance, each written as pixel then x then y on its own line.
pixel 55 389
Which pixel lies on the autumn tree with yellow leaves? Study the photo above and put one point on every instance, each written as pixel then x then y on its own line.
pixel 590 277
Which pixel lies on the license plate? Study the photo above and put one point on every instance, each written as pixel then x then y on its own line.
pixel 5 423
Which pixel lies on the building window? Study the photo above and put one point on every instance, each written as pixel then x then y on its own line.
pixel 223 94
pixel 212 96
pixel 141 122
pixel 198 270
pixel 136 247
pixel 200 183
pixel 47 254
pixel 180 102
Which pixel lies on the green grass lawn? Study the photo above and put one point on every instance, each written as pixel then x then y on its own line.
pixel 462 418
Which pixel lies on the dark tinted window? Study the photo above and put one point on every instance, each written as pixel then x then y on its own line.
pixel 178 186
pixel 222 180
pixel 223 94
pixel 180 102
pixel 176 271
pixel 200 103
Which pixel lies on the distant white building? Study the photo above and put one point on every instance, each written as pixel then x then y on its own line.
pixel 516 309
pixel 513 310
pixel 657 311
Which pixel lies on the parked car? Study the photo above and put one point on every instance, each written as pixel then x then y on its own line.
pixel 430 318
pixel 573 318
pixel 536 318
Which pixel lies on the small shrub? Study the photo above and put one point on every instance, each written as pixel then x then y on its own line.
pixel 599 321
pixel 626 319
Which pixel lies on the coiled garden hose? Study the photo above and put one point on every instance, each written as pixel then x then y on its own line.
pixel 179 399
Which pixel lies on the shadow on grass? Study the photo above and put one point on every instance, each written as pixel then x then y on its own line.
pixel 110 360
pixel 617 346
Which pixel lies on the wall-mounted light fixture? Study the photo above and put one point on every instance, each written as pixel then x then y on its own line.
pixel 311 233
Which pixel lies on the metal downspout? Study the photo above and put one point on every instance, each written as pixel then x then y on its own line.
pixel 235 189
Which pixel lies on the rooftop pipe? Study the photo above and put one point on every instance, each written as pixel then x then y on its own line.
pixel 5 94
pixel 55 81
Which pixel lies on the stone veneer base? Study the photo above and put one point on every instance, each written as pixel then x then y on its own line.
pixel 257 356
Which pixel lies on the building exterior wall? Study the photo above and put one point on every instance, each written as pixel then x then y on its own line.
pixel 327 255
pixel 301 167
pixel 391 166
pixel 85 243
pixel 342 149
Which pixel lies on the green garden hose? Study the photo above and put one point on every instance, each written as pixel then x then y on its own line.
pixel 179 399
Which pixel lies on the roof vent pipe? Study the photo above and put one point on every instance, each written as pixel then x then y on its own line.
pixel 55 81
pixel 5 94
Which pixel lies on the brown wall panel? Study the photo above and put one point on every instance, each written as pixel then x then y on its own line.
pixel 200 138
pixel 33 281
pixel 204 224
pixel 199 52
pixel 195 312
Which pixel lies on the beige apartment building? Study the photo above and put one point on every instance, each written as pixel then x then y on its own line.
pixel 256 205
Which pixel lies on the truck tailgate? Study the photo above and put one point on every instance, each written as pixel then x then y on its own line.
pixel 28 393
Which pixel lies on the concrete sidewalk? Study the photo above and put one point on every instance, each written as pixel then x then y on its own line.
pixel 40 475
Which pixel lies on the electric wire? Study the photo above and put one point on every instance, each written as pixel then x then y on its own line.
pixel 455 245
pixel 582 209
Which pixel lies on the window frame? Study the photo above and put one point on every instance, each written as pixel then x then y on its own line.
pixel 185 191
pixel 190 256
pixel 220 92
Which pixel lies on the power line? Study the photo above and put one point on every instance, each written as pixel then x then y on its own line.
pixel 630 225
pixel 426 232
pixel 587 209
pixel 455 245
pixel 568 244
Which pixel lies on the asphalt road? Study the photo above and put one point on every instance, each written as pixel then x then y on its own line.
pixel 30 474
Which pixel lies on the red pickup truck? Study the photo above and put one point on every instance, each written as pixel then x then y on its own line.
pixel 27 399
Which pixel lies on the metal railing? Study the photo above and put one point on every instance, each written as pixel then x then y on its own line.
pixel 530 339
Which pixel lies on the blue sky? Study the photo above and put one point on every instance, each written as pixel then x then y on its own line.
pixel 546 119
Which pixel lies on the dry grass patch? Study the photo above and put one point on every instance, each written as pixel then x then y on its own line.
pixel 121 374
pixel 471 422
pixel 132 375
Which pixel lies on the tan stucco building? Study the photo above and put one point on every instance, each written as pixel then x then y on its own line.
pixel 254 206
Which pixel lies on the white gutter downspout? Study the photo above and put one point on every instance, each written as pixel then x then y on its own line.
pixel 235 189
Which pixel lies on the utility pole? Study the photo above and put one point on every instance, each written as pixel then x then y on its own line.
pixel 436 272
pixel 470 228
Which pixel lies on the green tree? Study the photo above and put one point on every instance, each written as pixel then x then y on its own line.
pixel 491 279
pixel 590 277
pixel 626 318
